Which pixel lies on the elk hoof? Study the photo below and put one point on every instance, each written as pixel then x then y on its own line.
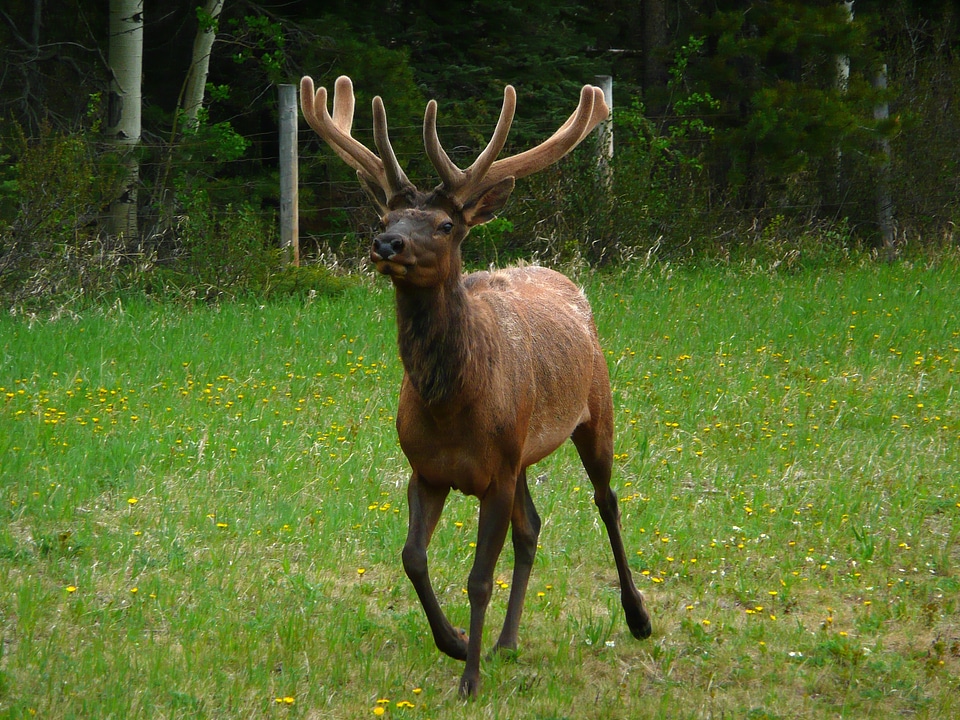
pixel 456 645
pixel 469 686
pixel 637 618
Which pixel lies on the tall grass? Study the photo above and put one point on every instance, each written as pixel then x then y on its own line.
pixel 201 511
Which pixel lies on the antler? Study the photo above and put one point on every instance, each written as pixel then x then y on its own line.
pixel 384 174
pixel 486 171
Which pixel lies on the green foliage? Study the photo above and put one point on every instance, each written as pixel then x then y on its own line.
pixel 229 252
pixel 487 242
pixel 462 54
pixel 778 105
pixel 53 194
pixel 653 206
pixel 925 107
pixel 217 141
pixel 261 41
pixel 224 249
pixel 691 108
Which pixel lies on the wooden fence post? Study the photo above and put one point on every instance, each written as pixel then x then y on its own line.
pixel 605 130
pixel 289 195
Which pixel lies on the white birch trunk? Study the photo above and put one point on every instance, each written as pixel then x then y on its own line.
pixel 884 200
pixel 843 61
pixel 200 61
pixel 123 124
pixel 843 83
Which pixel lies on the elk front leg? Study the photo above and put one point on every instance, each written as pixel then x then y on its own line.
pixel 426 504
pixel 525 528
pixel 495 511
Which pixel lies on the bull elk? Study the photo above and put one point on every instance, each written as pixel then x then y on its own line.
pixel 500 368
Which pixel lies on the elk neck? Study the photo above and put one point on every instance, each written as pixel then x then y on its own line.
pixel 441 340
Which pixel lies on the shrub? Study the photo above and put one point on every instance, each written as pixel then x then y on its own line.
pixel 53 194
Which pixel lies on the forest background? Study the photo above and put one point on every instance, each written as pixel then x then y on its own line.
pixel 778 131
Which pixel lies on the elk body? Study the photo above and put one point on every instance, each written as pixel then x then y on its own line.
pixel 500 368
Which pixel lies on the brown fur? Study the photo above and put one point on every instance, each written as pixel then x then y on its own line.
pixel 500 369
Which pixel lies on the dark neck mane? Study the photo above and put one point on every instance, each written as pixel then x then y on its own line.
pixel 435 339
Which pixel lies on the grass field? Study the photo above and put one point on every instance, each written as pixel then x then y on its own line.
pixel 202 510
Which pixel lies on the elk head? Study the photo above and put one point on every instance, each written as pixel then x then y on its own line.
pixel 421 231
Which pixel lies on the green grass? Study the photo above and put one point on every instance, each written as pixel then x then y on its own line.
pixel 202 510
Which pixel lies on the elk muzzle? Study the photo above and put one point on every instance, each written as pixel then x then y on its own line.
pixel 386 247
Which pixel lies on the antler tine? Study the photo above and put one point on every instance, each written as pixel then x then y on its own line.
pixel 483 162
pixel 343 104
pixel 396 178
pixel 486 169
pixel 335 131
pixel 457 181
pixel 450 174
pixel 590 111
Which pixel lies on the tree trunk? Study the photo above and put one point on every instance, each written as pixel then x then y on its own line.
pixel 884 200
pixel 655 39
pixel 200 61
pixel 123 124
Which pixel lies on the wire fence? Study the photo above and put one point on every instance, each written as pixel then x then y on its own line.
pixel 333 204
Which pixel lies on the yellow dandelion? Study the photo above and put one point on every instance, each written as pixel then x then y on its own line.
pixel 379 710
pixel 71 588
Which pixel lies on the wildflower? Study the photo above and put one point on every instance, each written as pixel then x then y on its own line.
pixel 361 571
pixel 379 710
pixel 71 588
pixel 133 500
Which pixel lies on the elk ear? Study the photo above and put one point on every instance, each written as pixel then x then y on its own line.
pixel 485 206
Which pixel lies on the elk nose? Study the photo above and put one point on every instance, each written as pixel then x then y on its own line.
pixel 387 245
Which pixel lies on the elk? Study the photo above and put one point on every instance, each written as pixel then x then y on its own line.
pixel 500 367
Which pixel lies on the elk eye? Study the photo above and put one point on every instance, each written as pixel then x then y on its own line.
pixel 446 227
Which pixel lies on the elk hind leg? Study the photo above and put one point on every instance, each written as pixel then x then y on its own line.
pixel 595 447
pixel 525 529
